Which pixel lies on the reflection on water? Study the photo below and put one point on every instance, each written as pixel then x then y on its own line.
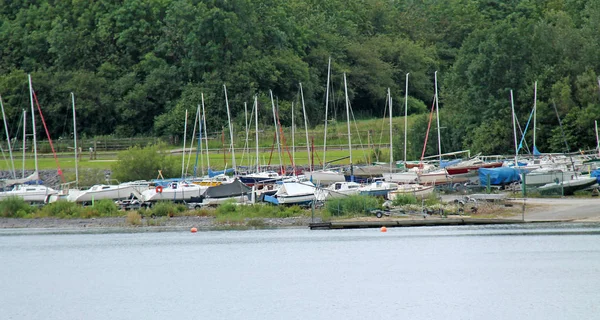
pixel 541 271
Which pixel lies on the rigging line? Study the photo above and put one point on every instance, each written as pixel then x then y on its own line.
pixel 285 147
pixel 523 134
pixel 385 110
pixel 187 167
pixel 564 138
pixel 427 133
pixel 60 173
pixel 247 144
pixel 358 134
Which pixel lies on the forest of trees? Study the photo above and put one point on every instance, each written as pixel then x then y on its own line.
pixel 135 66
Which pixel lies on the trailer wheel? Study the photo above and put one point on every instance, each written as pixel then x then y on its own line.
pixel 379 214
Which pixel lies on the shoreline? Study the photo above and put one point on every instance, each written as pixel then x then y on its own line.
pixel 565 210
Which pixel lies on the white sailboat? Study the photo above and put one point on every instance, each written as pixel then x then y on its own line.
pixel 326 176
pixel 174 191
pixel 29 193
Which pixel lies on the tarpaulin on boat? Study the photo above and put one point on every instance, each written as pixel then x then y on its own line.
pixel 233 189
pixel 596 174
pixel 498 176
pixel 445 163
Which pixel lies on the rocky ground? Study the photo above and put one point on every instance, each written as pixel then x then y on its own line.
pixel 184 222
pixel 563 209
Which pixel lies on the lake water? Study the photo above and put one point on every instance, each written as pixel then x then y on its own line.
pixel 549 271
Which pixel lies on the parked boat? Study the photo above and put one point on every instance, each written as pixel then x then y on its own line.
pixel 325 176
pixel 105 191
pixel 29 193
pixel 416 190
pixel 293 193
pixel 338 190
pixel 471 166
pixel 542 176
pixel 260 178
pixel 233 191
pixel 174 191
pixel 213 181
pixel 568 187
pixel 378 189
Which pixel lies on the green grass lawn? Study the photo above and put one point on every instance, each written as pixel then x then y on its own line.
pixel 337 142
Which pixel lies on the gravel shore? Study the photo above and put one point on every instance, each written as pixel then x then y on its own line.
pixel 536 210
pixel 161 223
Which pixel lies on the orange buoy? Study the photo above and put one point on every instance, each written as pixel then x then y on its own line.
pixel 383 229
pixel 194 230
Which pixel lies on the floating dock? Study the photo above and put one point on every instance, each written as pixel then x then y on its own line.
pixel 409 223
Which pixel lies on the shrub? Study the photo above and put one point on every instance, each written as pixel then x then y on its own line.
pixel 351 205
pixel 106 208
pixel 62 209
pixel 432 199
pixel 227 207
pixel 404 199
pixel 133 218
pixel 164 208
pixel 14 207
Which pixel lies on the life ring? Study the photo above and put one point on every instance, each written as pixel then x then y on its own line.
pixel 159 189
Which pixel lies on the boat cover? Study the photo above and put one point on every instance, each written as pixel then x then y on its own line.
pixel 216 173
pixel 498 176
pixel 445 163
pixel 233 189
pixel 596 174
pixel 295 189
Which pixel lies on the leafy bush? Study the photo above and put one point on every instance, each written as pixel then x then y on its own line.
pixel 225 208
pixel 133 218
pixel 61 209
pixel 432 199
pixel 138 163
pixel 404 199
pixel 351 205
pixel 14 207
pixel 164 208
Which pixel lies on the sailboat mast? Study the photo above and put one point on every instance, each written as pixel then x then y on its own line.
pixel 276 130
pixel 247 132
pixel 75 139
pixel 24 140
pixel 33 125
pixel 199 145
pixel 12 161
pixel 597 141
pixel 437 115
pixel 348 123
pixel 192 146
pixel 310 164
pixel 391 140
pixel 206 137
pixel 512 104
pixel 183 153
pixel 293 139
pixel 326 109
pixel 230 130
pixel 256 132
pixel 534 113
pixel 405 117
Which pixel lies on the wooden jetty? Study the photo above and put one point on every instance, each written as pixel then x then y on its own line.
pixel 409 223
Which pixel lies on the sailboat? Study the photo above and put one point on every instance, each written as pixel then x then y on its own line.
pixel 567 186
pixel 326 176
pixel 29 193
pixel 259 178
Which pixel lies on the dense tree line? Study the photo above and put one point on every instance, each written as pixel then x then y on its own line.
pixel 135 65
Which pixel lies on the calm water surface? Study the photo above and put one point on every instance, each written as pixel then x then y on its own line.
pixel 508 272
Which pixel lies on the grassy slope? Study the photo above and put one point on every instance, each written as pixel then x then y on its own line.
pixel 336 140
